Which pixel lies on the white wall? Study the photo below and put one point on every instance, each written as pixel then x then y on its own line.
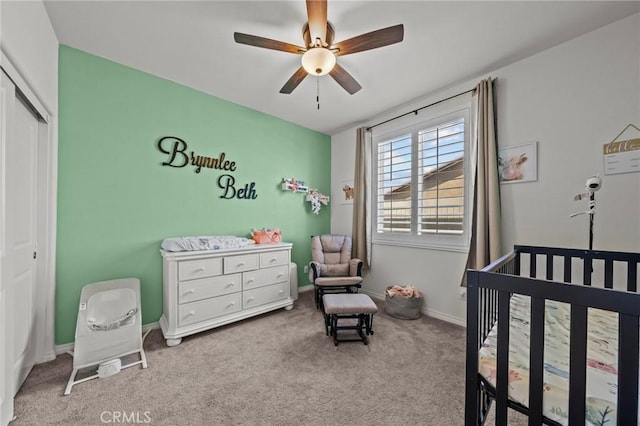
pixel 571 99
pixel 29 43
pixel 28 40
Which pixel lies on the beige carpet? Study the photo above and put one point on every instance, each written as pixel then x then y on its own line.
pixel 278 368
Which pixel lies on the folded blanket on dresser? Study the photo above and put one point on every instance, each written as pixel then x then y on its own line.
pixel 205 243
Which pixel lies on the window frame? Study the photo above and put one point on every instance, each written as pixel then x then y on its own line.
pixel 447 242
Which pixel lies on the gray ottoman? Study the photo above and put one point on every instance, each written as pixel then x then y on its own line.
pixel 341 306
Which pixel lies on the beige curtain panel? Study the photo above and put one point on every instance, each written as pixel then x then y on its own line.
pixel 485 226
pixel 359 234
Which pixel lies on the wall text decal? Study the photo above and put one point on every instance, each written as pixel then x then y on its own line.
pixel 177 156
pixel 227 182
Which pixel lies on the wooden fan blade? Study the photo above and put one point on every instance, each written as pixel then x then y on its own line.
pixel 293 82
pixel 268 43
pixel 345 79
pixel 317 17
pixel 368 41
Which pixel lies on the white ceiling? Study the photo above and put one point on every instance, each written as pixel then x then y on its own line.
pixel 445 43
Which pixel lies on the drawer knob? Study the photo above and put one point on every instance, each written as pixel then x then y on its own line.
pixel 190 314
pixel 191 291
pixel 273 259
pixel 250 280
pixel 240 264
pixel 200 269
pixel 231 305
pixel 249 300
pixel 230 285
pixel 280 275
pixel 281 291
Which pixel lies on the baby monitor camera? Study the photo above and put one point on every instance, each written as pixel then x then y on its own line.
pixel 594 183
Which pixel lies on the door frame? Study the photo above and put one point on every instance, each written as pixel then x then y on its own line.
pixel 46 231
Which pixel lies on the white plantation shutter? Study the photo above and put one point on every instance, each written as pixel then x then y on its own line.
pixel 394 185
pixel 420 186
pixel 441 177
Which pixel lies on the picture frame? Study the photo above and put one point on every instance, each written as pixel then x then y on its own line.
pixel 517 164
pixel 348 192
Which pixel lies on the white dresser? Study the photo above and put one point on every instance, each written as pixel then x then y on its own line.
pixel 207 289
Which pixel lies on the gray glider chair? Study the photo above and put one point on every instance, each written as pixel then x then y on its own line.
pixel 332 268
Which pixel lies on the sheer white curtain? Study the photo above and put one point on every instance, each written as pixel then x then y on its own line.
pixel 485 221
pixel 361 227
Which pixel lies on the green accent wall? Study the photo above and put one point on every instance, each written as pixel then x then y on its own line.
pixel 116 202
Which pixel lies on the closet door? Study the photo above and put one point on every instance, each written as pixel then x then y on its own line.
pixel 19 280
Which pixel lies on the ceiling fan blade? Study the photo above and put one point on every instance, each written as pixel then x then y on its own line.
pixel 268 43
pixel 294 81
pixel 317 17
pixel 368 41
pixel 345 79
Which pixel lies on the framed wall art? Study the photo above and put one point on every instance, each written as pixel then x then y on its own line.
pixel 518 163
pixel 348 191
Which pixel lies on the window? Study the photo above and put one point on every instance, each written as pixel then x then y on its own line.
pixel 421 183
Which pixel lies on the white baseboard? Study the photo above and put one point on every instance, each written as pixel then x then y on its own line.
pixel 68 347
pixel 49 356
pixel 445 317
pixel 304 288
pixel 428 312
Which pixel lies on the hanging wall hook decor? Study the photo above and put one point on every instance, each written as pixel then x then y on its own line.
pixel 317 199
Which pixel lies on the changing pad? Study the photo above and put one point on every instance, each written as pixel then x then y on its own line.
pixel 205 243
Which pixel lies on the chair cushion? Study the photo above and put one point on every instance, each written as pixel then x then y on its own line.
pixel 335 270
pixel 331 249
pixel 349 304
pixel 337 281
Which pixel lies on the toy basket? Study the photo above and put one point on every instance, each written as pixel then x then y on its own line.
pixel 403 307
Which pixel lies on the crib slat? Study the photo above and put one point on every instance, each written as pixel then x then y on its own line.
pixel 533 265
pixel 628 369
pixel 549 266
pixel 536 361
pixel 577 364
pixel 567 269
pixel 502 362
pixel 484 293
pixel 632 276
pixel 473 327
pixel 587 270
pixel 608 273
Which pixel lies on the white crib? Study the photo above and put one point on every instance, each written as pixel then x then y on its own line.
pixel 109 327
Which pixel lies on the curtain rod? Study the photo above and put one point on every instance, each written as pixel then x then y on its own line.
pixel 415 111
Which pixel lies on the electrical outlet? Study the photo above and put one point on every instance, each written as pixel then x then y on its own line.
pixel 462 294
pixel 306 269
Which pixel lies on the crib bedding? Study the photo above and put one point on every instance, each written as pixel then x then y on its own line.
pixel 602 349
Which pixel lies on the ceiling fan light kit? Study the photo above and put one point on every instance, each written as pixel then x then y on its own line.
pixel 318 61
pixel 319 53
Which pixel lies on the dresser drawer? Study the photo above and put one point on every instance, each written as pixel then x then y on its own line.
pixel 193 269
pixel 190 291
pixel 274 258
pixel 233 264
pixel 203 310
pixel 264 295
pixel 264 277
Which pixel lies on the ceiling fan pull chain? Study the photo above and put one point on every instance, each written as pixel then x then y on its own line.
pixel 318 91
